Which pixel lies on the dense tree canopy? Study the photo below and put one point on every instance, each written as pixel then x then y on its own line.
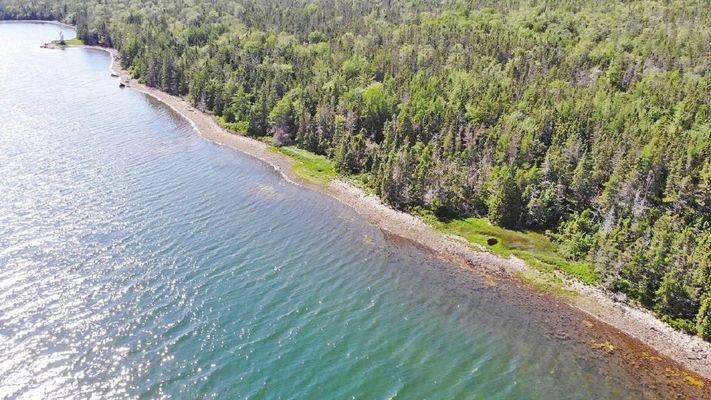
pixel 588 119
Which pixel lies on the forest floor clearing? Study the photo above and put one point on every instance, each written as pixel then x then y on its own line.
pixel 630 334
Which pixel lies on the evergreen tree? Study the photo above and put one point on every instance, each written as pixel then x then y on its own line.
pixel 505 199
pixel 703 318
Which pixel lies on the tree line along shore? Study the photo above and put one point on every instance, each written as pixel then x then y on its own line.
pixel 577 135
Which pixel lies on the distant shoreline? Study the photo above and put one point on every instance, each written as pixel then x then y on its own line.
pixel 37 21
pixel 690 352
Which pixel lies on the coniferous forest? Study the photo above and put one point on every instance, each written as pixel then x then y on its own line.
pixel 588 120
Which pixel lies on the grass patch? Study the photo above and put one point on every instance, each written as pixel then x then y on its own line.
pixel 533 247
pixel 364 182
pixel 70 42
pixel 308 166
pixel 268 140
pixel 547 283
pixel 234 127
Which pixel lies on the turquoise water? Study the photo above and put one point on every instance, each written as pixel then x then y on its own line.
pixel 138 260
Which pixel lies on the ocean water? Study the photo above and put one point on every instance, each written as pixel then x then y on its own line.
pixel 138 260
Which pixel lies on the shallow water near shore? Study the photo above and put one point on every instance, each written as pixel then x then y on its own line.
pixel 138 260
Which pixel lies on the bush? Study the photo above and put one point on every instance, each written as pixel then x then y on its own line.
pixel 703 318
pixel 577 236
